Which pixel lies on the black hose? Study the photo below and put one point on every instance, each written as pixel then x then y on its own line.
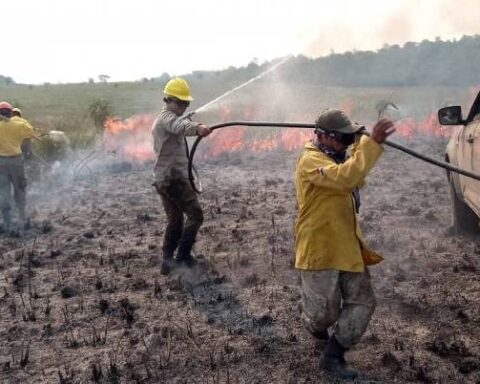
pixel 400 147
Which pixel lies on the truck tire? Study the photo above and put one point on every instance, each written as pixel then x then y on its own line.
pixel 465 221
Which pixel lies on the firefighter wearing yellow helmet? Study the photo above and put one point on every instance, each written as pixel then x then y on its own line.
pixel 178 88
pixel 171 178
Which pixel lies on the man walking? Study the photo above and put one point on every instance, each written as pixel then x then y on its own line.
pixel 330 253
pixel 12 134
pixel 171 180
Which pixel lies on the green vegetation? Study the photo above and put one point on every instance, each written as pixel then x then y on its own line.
pixel 100 110
pixel 418 78
pixel 6 80
pixel 446 63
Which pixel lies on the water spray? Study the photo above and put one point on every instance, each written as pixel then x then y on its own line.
pixel 194 180
pixel 192 172
pixel 253 79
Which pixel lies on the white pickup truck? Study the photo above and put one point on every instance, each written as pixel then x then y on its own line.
pixel 463 150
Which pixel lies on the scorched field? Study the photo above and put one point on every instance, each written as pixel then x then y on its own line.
pixel 82 299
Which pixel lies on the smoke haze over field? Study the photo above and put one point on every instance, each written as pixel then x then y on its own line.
pixel 74 41
pixel 369 25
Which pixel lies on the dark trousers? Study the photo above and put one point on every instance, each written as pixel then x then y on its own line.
pixel 179 198
pixel 12 173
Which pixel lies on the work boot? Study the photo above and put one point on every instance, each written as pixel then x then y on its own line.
pixel 186 260
pixel 320 335
pixel 333 361
pixel 167 263
pixel 321 340
pixel 184 255
pixel 170 243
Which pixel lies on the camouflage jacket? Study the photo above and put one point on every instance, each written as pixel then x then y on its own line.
pixel 169 131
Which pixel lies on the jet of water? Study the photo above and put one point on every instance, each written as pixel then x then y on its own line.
pixel 210 103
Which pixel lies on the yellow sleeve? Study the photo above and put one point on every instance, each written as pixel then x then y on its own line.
pixel 27 130
pixel 354 149
pixel 324 172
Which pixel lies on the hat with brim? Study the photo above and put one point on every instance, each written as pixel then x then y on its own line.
pixel 334 120
pixel 5 105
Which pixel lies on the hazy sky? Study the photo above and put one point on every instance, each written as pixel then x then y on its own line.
pixel 70 40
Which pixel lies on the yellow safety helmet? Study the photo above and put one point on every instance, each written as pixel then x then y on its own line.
pixel 17 112
pixel 178 88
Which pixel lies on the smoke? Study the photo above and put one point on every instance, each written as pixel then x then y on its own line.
pixel 434 19
pixel 461 17
pixel 371 25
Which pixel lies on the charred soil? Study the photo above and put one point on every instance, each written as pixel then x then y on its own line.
pixel 82 299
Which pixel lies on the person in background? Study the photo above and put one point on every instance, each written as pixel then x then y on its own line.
pixel 13 132
pixel 171 179
pixel 331 255
pixel 27 144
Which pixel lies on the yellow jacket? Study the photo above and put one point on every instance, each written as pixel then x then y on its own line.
pixel 327 233
pixel 12 133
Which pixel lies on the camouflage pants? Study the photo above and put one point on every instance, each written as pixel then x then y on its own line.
pixel 12 173
pixel 344 298
pixel 179 198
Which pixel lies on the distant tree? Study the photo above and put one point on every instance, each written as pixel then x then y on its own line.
pixel 90 80
pixel 448 63
pixel 100 110
pixel 103 78
pixel 253 65
pixel 6 80
pixel 164 77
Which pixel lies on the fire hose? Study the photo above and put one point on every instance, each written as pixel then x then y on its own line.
pixel 390 143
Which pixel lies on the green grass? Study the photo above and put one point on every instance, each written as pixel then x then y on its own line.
pixel 65 107
pixel 71 101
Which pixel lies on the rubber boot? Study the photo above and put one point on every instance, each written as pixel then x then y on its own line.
pixel 320 335
pixel 333 361
pixel 167 263
pixel 321 340
pixel 170 243
pixel 184 256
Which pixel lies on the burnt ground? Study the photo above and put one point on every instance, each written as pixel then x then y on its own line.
pixel 82 300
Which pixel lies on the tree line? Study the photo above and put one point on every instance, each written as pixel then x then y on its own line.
pixel 428 63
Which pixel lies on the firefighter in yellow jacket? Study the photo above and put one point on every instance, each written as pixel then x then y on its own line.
pixel 13 132
pixel 27 144
pixel 331 255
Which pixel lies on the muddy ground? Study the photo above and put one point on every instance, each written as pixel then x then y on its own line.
pixel 82 299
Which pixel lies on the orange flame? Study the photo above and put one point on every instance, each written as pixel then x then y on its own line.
pixel 131 139
pixel 429 127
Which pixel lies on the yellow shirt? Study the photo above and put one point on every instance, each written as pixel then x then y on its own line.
pixel 12 133
pixel 327 234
